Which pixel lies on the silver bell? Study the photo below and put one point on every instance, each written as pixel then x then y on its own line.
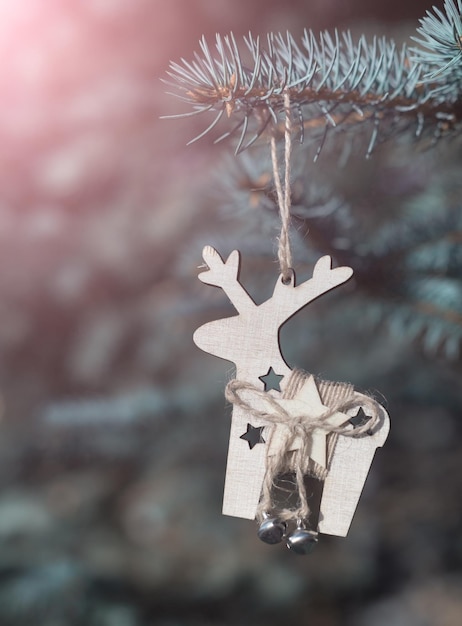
pixel 302 541
pixel 271 530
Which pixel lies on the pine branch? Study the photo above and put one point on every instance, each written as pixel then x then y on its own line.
pixel 441 38
pixel 332 81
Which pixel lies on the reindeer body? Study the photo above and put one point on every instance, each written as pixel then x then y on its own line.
pixel 251 341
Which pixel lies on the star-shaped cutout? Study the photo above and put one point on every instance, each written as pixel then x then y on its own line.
pixel 253 435
pixel 271 380
pixel 360 418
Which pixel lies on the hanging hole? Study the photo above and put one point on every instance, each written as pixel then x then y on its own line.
pixel 287 278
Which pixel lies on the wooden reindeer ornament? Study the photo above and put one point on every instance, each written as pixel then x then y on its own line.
pixel 283 419
pixel 284 422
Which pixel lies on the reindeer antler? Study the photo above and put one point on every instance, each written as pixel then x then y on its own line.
pixel 325 276
pixel 225 274
pixel 324 279
pixel 219 270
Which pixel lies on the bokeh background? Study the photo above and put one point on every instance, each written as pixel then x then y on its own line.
pixel 113 431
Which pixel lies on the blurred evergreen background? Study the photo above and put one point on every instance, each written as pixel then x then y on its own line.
pixel 113 432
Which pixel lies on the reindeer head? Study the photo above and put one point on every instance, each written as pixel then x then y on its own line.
pixel 253 334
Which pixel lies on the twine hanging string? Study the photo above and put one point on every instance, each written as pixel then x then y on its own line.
pixel 262 406
pixel 283 192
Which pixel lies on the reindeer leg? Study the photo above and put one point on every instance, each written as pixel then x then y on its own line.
pixel 245 469
pixel 350 465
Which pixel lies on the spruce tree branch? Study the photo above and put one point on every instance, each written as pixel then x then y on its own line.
pixel 331 80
